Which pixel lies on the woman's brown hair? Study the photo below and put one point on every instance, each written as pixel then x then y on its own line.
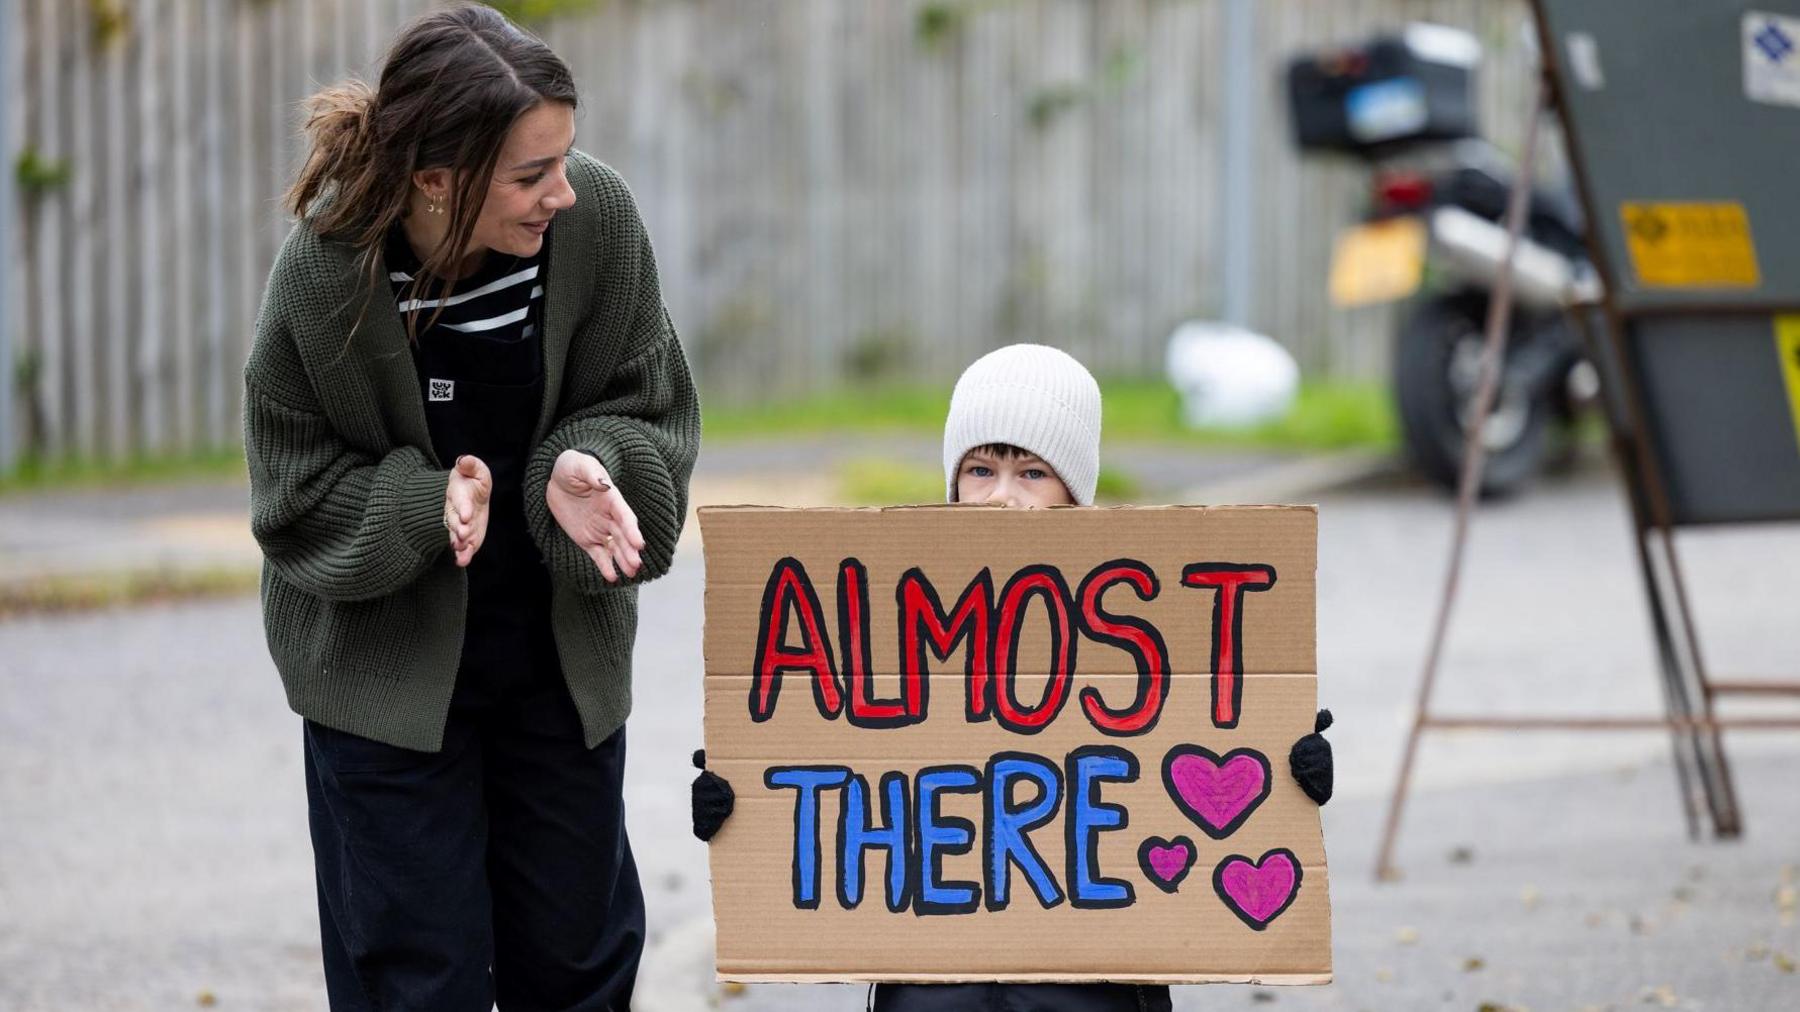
pixel 453 84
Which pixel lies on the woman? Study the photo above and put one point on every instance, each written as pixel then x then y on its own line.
pixel 470 428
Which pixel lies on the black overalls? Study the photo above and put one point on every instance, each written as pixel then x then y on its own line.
pixel 497 868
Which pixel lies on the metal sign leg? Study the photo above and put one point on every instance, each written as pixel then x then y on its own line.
pixel 1683 747
pixel 1499 322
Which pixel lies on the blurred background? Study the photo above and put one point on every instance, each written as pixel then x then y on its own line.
pixel 850 201
pixel 844 197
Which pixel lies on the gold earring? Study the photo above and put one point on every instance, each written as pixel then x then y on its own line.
pixel 433 206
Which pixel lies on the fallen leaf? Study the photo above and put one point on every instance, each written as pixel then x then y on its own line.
pixel 1462 855
pixel 1787 898
pixel 731 988
pixel 1474 963
pixel 1683 894
pixel 1406 936
pixel 1662 994
pixel 1756 951
pixel 206 999
pixel 1784 962
pixel 1639 926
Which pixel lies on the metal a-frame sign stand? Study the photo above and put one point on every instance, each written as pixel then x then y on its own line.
pixel 1698 346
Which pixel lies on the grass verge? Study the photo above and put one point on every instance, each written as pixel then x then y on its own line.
pixel 87 592
pixel 37 474
pixel 1325 416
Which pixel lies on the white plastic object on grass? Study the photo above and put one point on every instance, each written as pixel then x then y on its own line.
pixel 1230 377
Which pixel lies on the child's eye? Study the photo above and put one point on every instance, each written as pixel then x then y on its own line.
pixel 979 471
pixel 1035 473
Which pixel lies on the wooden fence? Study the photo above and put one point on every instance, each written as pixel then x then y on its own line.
pixel 837 188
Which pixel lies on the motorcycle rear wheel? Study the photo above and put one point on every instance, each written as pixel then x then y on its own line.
pixel 1436 371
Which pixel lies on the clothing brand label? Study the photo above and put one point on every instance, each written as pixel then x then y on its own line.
pixel 442 390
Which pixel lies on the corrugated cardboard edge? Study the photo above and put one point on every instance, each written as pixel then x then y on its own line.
pixel 1273 979
pixel 754 508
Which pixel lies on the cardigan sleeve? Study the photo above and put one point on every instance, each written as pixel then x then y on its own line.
pixel 336 522
pixel 641 419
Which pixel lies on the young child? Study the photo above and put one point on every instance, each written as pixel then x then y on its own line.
pixel 1023 431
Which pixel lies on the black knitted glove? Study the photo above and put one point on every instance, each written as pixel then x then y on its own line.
pixel 1310 761
pixel 714 798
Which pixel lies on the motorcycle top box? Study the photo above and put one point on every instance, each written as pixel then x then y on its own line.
pixel 1392 91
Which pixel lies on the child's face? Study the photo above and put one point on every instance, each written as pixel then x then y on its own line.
pixel 1020 481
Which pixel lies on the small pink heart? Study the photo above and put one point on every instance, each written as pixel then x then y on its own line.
pixel 1217 792
pixel 1166 862
pixel 1258 893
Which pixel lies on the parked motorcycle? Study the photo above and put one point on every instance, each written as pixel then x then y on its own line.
pixel 1433 235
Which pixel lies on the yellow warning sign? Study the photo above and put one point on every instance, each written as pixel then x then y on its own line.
pixel 1787 350
pixel 1690 245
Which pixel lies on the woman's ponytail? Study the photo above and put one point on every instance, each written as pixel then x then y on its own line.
pixel 340 142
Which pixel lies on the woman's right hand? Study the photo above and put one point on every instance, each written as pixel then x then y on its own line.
pixel 466 506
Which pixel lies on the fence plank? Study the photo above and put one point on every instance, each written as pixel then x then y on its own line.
pixel 147 148
pixel 185 237
pixel 43 266
pixel 218 218
pixel 18 315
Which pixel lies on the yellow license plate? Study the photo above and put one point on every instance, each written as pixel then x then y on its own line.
pixel 1378 262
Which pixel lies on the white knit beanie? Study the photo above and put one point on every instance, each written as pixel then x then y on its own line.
pixel 1033 397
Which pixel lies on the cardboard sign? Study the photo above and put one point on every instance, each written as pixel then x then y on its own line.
pixel 972 743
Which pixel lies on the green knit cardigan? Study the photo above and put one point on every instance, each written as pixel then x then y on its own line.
pixel 363 603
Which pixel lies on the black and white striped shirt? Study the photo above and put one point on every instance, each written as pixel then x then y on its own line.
pixel 500 302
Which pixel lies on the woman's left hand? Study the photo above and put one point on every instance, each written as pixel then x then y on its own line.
pixel 595 515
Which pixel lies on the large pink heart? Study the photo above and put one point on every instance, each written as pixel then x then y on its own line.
pixel 1258 893
pixel 1166 862
pixel 1217 792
